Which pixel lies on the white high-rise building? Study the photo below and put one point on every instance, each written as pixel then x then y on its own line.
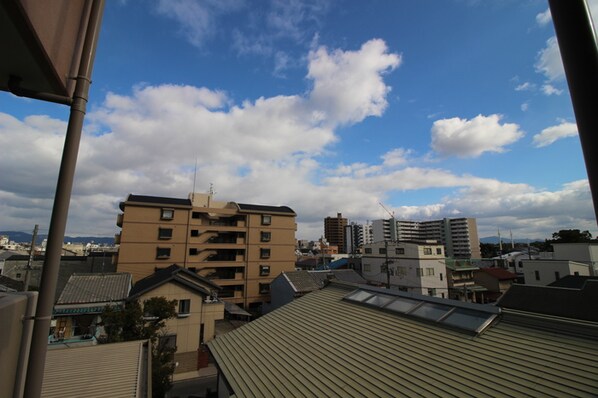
pixel 458 235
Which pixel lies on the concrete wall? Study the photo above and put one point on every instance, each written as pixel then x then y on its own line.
pixel 543 272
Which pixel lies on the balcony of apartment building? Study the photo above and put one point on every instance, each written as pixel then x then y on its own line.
pixel 215 257
pixel 233 293
pixel 211 222
pixel 225 276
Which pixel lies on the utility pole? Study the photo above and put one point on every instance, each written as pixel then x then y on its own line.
pixel 387 263
pixel 30 261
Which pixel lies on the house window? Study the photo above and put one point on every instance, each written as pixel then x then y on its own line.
pixel 401 271
pixel 441 276
pixel 18 275
pixel 400 250
pixel 266 219
pixel 193 251
pixel 367 268
pixel 194 233
pixel 163 252
pixel 430 271
pixel 382 250
pixel 264 288
pixel 432 292
pixel 557 276
pixel 520 264
pixel 264 270
pixel 164 233
pixel 195 214
pixel 264 253
pixel 419 272
pixel 265 236
pixel 184 307
pixel 368 250
pixel 438 250
pixel 576 273
pixel 167 214
pixel 537 275
pixel 427 250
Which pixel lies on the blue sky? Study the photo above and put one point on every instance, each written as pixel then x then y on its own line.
pixel 454 108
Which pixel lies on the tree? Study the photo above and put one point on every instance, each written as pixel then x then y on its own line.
pixel 148 323
pixel 571 236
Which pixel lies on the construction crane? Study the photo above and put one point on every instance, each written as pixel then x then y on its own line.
pixel 392 214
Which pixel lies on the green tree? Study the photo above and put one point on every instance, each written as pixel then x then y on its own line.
pixel 571 236
pixel 135 322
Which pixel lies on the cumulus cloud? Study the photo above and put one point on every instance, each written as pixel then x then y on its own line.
pixel 348 85
pixel 470 138
pixel 550 134
pixel 544 18
pixel 549 89
pixel 549 61
pixel 525 86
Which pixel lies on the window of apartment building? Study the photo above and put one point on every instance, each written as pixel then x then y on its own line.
pixel 195 214
pixel 195 233
pixel 403 289
pixel 264 288
pixel 164 233
pixel 264 253
pixel 265 236
pixel 382 250
pixel 167 214
pixel 537 275
pixel 184 307
pixel 400 250
pixel 438 250
pixel 576 273
pixel 193 251
pixel 367 268
pixel 401 271
pixel 557 275
pixel 427 250
pixel 429 271
pixel 264 270
pixel 368 250
pixel 441 276
pixel 419 272
pixel 266 219
pixel 163 252
pixel 432 292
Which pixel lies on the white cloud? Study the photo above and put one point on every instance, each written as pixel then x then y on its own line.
pixel 396 157
pixel 348 85
pixel 525 106
pixel 549 61
pixel 471 138
pixel 550 134
pixel 197 20
pixel 544 18
pixel 549 89
pixel 525 86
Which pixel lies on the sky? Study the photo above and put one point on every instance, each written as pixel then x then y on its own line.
pixel 427 109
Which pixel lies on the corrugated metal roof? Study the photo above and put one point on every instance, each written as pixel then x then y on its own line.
pixel 301 281
pixel 321 345
pixel 94 288
pixel 105 370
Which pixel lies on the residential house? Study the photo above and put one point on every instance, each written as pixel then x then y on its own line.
pixel 416 267
pixel 198 308
pixel 118 370
pixel 78 310
pixel 461 283
pixel 345 341
pixel 240 247
pixel 544 272
pixel 495 280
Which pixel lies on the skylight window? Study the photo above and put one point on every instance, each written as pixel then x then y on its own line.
pixel 464 316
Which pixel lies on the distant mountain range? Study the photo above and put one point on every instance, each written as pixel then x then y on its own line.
pixel 505 239
pixel 24 237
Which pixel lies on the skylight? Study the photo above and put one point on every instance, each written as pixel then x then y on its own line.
pixel 464 316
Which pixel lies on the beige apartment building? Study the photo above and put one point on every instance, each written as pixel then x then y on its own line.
pixel 240 247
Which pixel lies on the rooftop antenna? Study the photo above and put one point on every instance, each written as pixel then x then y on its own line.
pixel 211 193
pixel 512 241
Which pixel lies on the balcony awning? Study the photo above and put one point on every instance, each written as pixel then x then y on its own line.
pixel 234 309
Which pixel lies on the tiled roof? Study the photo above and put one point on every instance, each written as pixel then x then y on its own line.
pixel 321 345
pixel 344 275
pixel 158 200
pixel 104 370
pixel 95 288
pixel 499 273
pixel 555 301
pixel 177 274
pixel 301 281
pixel 572 281
pixel 265 209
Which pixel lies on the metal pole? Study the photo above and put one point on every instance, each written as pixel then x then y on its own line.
pixel 64 186
pixel 579 50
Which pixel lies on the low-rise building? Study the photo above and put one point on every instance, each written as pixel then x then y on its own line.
pixel 416 267
pixel 544 272
pixel 495 280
